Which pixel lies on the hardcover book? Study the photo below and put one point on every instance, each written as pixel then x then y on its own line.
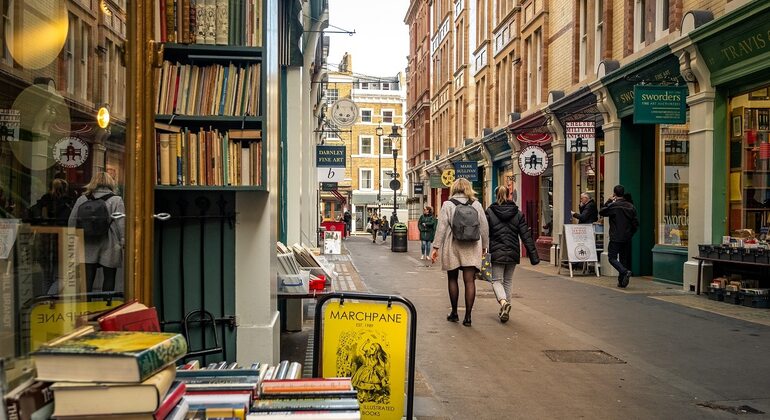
pixel 173 407
pixel 108 356
pixel 130 316
pixel 79 399
pixel 29 398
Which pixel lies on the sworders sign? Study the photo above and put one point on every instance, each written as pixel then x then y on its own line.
pixel 660 104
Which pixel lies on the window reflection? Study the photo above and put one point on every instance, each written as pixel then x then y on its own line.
pixel 60 62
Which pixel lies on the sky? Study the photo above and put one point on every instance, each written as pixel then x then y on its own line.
pixel 381 42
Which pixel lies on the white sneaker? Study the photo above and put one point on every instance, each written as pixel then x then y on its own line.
pixel 422 257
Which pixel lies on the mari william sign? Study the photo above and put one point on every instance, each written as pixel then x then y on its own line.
pixel 581 136
pixel 660 104
pixel 330 157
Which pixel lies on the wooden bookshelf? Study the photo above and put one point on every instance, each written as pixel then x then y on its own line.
pixel 210 53
pixel 209 188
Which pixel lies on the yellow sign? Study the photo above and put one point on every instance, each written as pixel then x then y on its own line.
pixel 448 177
pixel 368 342
pixel 48 321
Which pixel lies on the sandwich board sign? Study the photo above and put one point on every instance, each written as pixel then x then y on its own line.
pixel 580 245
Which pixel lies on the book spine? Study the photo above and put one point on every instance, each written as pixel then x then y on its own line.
pixel 30 400
pixel 165 152
pixel 161 355
pixel 200 21
pixel 185 24
pixel 170 401
pixel 222 17
pixel 170 21
pixel 211 22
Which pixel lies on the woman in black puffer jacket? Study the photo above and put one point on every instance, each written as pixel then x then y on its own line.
pixel 507 226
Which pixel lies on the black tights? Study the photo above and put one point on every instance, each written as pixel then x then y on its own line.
pixel 107 272
pixel 469 274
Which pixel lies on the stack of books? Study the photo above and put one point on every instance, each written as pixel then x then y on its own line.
pixel 311 399
pixel 113 374
pixel 220 390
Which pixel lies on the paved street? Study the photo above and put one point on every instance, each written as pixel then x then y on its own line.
pixel 660 360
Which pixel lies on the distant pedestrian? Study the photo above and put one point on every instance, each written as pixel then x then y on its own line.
pixel 374 221
pixel 463 238
pixel 623 225
pixel 384 228
pixel 587 212
pixel 427 226
pixel 348 219
pixel 507 226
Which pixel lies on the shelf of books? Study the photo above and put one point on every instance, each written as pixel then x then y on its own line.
pixel 118 365
pixel 209 95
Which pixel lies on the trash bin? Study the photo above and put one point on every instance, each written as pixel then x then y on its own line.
pixel 398 239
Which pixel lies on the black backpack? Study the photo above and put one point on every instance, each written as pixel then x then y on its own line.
pixel 465 222
pixel 94 217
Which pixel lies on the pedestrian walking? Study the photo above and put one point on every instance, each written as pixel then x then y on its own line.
pixel 587 212
pixel 427 226
pixel 374 221
pixel 384 228
pixel 462 237
pixel 348 219
pixel 104 236
pixel 623 225
pixel 507 229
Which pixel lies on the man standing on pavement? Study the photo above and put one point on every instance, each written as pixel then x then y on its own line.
pixel 348 219
pixel 623 226
pixel 587 210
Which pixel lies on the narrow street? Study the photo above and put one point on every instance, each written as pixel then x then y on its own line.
pixel 638 356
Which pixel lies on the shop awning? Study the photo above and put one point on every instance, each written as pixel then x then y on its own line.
pixel 497 145
pixel 579 105
pixel 370 199
pixel 657 67
pixel 534 123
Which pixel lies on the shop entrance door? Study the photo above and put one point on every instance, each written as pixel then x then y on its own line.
pixel 360 218
pixel 637 175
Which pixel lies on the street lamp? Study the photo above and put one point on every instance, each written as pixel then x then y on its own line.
pixel 395 140
pixel 378 131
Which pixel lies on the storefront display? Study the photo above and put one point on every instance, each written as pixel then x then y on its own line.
pixel 673 191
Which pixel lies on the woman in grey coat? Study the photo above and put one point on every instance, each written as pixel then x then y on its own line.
pixel 105 251
pixel 460 255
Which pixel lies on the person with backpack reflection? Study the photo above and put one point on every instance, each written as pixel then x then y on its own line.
pixel 463 238
pixel 104 236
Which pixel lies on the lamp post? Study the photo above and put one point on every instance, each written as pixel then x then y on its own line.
pixel 395 140
pixel 378 131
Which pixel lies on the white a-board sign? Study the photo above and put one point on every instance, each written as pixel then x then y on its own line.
pixel 333 242
pixel 581 244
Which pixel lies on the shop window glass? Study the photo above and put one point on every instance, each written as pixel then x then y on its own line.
pixel 674 187
pixel 546 201
pixel 749 181
pixel 53 151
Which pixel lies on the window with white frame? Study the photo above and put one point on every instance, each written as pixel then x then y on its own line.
pixel 85 37
pixel 332 95
pixel 385 86
pixel 365 179
pixel 539 65
pixel 583 22
pixel 386 148
pixel 69 55
pixel 366 115
pixel 640 18
pixel 598 32
pixel 365 145
pixel 387 116
pixel 385 177
pixel 530 66
pixel 662 8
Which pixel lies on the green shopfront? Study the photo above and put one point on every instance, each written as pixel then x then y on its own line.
pixel 730 57
pixel 654 130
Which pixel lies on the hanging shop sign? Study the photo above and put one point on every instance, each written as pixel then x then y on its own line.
pixel 70 152
pixel 581 136
pixel 437 181
pixel 329 186
pixel 656 67
pixel 418 188
pixel 467 169
pixel 9 124
pixel 330 157
pixel 344 113
pixel 533 160
pixel 448 177
pixel 660 104
pixel 370 339
pixel 331 174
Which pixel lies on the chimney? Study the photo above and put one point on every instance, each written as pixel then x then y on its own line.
pixel 346 65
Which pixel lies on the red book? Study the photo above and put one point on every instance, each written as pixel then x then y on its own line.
pixel 130 316
pixel 173 397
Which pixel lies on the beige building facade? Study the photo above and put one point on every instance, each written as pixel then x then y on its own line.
pixel 539 70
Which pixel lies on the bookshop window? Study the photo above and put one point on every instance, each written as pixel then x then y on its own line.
pixel 546 201
pixel 53 153
pixel 749 129
pixel 674 184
